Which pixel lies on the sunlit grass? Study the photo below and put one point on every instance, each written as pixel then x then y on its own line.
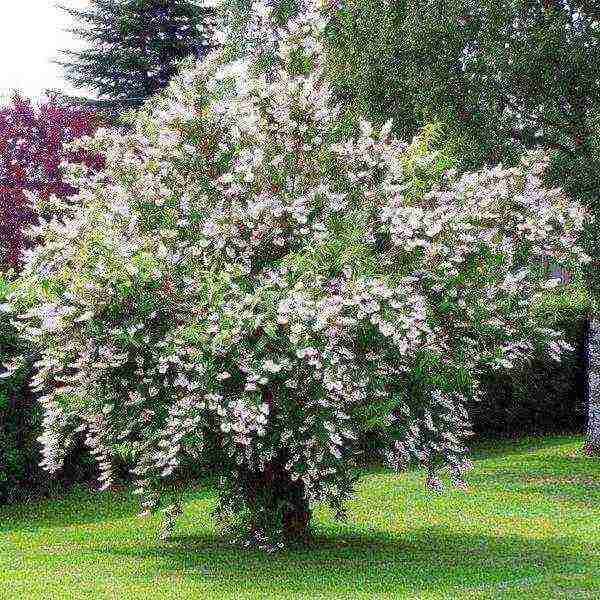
pixel 529 528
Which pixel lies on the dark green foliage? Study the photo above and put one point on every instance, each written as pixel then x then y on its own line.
pixel 19 418
pixel 134 46
pixel 545 397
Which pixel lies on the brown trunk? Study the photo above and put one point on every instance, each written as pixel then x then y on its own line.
pixel 276 484
pixel 297 517
pixel 592 445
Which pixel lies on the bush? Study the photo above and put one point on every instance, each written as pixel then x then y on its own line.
pixel 31 152
pixel 21 475
pixel 20 421
pixel 539 397
pixel 242 282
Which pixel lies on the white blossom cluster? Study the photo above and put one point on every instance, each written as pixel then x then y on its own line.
pixel 239 277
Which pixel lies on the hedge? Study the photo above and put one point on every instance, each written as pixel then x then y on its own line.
pixel 546 397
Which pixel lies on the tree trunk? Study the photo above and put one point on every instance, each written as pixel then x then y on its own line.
pixel 297 517
pixel 592 446
pixel 276 484
pixel 274 489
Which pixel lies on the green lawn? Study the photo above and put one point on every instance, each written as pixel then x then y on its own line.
pixel 530 528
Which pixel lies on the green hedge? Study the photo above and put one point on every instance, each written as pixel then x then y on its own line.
pixel 19 417
pixel 545 397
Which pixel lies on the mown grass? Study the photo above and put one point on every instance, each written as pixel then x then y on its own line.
pixel 530 528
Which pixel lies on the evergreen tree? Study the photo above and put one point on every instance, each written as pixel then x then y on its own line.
pixel 134 46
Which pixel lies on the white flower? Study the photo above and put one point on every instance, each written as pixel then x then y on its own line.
pixel 386 129
pixel 365 128
pixel 271 367
pixel 551 283
pixel 261 9
pixel 86 316
pixel 385 328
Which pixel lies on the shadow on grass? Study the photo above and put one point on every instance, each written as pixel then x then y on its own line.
pixel 423 558
pixel 557 476
pixel 402 561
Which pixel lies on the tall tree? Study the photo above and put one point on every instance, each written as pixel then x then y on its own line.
pixel 512 75
pixel 134 46
pixel 505 75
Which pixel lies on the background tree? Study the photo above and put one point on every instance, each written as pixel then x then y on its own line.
pixel 134 47
pixel 592 445
pixel 505 76
pixel 31 153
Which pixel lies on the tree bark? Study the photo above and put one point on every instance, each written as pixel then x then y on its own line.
pixel 297 517
pixel 592 445
pixel 276 484
pixel 276 479
pixel 284 499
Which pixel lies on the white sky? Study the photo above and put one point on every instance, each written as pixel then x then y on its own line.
pixel 30 38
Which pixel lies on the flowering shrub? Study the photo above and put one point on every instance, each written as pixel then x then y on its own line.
pixel 31 150
pixel 239 280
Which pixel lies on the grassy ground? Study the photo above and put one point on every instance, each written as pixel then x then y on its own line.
pixel 530 528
